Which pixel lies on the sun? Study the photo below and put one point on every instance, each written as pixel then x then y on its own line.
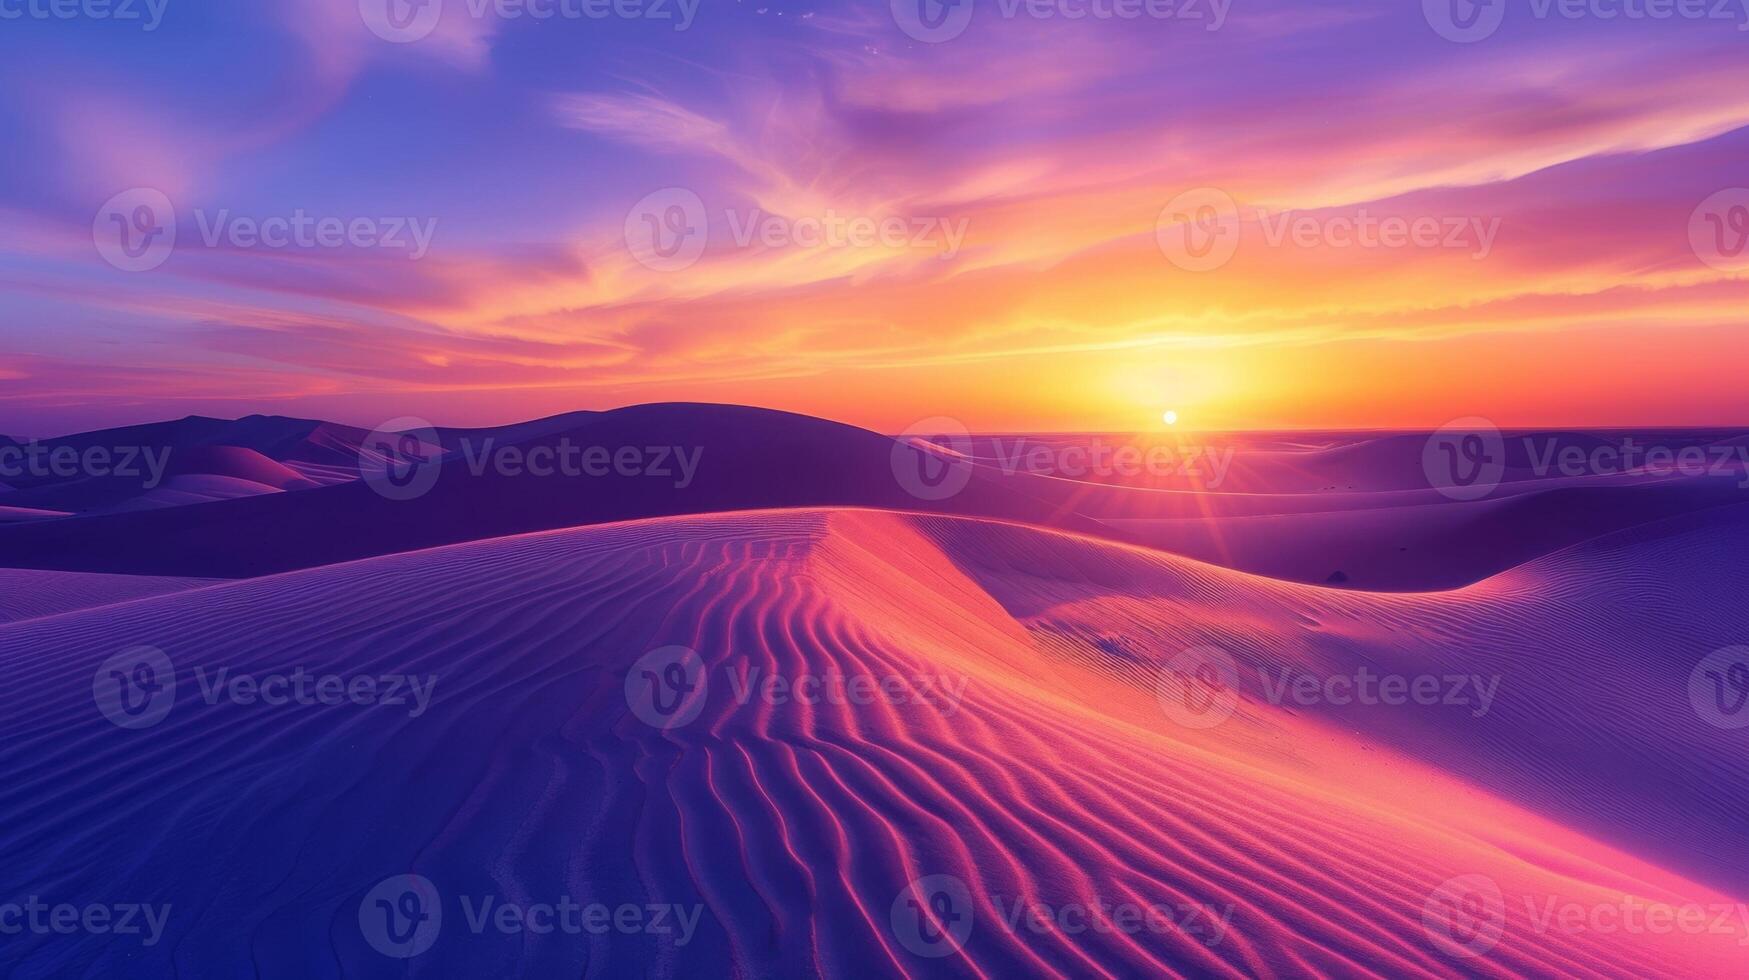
pixel 1170 418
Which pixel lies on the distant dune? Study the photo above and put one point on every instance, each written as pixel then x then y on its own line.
pixel 1316 835
pixel 237 463
pixel 1351 510
pixel 746 459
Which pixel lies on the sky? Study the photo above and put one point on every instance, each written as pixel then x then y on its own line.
pixel 1022 214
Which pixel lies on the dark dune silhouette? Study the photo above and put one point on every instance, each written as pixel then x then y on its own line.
pixel 1384 534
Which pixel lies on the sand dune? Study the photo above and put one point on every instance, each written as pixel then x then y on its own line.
pixel 269 451
pixel 1389 533
pixel 275 437
pixel 745 458
pixel 1056 775
pixel 236 463
pixel 31 594
pixel 1430 544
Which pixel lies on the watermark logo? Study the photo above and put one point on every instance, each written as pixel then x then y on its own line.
pixel 1364 229
pixel 1366 687
pixel 135 231
pixel 402 916
pixel 932 458
pixel 302 230
pixel 1469 21
pixel 932 21
pixel 36 917
pixel 667 231
pixel 1718 688
pixel 135 688
pixel 667 687
pixel 34 460
pixel 401 21
pixel 1465 916
pixel 678 464
pixel 935 21
pixel 1206 924
pixel 1465 459
pixel 942 692
pixel 402 458
pixel 1207 466
pixel 570 917
pixel 1199 229
pixel 835 229
pixel 1718 230
pixel 1635 916
pixel 147 13
pixel 1199 688
pixel 1464 21
pixel 932 917
pixel 405 21
pixel 301 687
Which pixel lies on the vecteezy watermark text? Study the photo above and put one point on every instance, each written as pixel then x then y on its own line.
pixel 36 917
pixel 933 459
pixel 403 458
pixel 1098 457
pixel 568 459
pixel 669 686
pixel 137 231
pixel 33 460
pixel 1366 687
pixel 147 13
pixel 301 687
pixel 305 231
pixel 1366 230
pixel 1201 229
pixel 1467 916
pixel 935 21
pixel 669 229
pixel 403 916
pixel 1469 21
pixel 935 915
pixel 1205 923
pixel 1466 459
pixel 136 688
pixel 406 21
pixel 1199 688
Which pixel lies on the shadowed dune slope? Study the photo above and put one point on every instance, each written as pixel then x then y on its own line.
pixel 31 594
pixel 1052 776
pixel 1434 544
pixel 745 458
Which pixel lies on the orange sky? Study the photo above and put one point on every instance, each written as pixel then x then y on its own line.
pixel 1582 233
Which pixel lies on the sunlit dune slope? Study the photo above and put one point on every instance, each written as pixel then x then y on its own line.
pixel 1027 753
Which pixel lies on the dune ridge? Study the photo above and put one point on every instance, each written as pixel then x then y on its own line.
pixel 1353 510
